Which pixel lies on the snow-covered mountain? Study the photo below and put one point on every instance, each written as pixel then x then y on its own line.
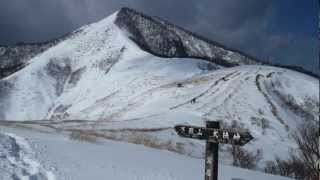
pixel 150 33
pixel 131 77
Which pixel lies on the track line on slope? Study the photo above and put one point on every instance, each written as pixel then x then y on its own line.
pixel 99 102
pixel 224 78
pixel 273 107
pixel 226 98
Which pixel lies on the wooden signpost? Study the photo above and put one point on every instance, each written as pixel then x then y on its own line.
pixel 213 136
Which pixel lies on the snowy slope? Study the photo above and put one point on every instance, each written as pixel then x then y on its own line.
pixel 100 81
pixel 74 160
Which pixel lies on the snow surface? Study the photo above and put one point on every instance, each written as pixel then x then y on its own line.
pixel 75 160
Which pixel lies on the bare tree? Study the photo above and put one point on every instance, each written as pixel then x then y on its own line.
pixel 302 164
pixel 245 159
pixel 307 140
pixel 242 157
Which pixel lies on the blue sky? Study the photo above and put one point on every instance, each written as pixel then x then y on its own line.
pixel 283 31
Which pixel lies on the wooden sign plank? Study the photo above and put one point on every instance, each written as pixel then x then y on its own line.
pixel 223 136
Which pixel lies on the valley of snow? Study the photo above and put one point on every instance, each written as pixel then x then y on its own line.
pixel 100 82
pixel 65 159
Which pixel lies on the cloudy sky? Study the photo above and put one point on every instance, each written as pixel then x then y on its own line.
pixel 284 31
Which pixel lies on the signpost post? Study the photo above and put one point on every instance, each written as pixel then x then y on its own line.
pixel 211 159
pixel 213 136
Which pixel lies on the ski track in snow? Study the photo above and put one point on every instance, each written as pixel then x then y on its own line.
pixel 17 160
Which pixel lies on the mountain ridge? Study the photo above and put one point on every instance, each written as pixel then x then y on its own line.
pixel 16 56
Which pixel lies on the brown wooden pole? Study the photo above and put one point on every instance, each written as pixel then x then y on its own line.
pixel 211 159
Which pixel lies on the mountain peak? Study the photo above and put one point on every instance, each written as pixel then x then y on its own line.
pixel 127 9
pixel 161 38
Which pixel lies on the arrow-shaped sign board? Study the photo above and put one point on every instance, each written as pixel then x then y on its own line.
pixel 224 136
